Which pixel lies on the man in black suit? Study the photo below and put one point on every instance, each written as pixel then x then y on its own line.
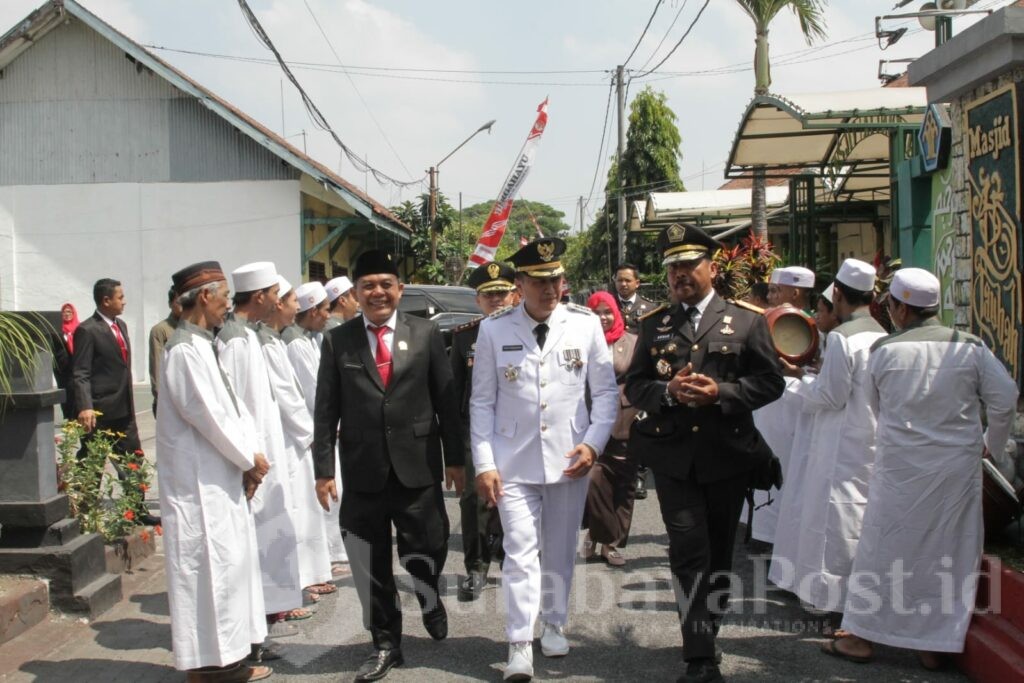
pixel 102 375
pixel 700 368
pixel 385 388
pixel 632 305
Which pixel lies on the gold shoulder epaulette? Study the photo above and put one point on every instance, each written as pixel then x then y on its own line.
pixel 467 326
pixel 501 312
pixel 653 311
pixel 576 308
pixel 746 305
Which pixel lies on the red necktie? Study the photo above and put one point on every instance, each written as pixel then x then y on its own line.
pixel 120 341
pixel 383 357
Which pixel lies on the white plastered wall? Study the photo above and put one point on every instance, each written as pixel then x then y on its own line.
pixel 65 237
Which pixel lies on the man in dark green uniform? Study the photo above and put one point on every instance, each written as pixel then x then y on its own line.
pixel 481 528
pixel 701 367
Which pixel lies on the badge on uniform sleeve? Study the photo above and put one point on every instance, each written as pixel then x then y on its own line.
pixel 512 373
pixel 663 367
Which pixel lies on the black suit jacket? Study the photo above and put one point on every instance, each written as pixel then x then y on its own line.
pixel 401 428
pixel 732 346
pixel 101 378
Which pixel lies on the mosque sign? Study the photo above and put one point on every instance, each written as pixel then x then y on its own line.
pixel 992 146
pixel 934 138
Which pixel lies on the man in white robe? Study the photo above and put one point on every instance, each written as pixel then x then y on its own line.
pixel 304 354
pixel 208 464
pixel 914 576
pixel 842 450
pixel 297 422
pixel 239 351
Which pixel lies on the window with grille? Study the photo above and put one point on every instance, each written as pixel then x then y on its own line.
pixel 317 271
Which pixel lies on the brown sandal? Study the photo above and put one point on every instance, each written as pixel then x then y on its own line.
pixel 829 648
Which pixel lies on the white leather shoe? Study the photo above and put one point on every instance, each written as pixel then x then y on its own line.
pixel 520 662
pixel 553 642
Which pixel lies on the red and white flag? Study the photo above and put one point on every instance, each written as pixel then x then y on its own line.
pixel 497 220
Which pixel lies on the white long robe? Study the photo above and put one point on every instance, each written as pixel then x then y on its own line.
pixel 923 516
pixel 297 422
pixel 304 354
pixel 787 536
pixel 205 442
pixel 240 355
pixel 777 423
pixel 839 465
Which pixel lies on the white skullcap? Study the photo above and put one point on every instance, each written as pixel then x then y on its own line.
pixel 283 286
pixel 337 287
pixel 310 294
pixel 827 294
pixel 793 276
pixel 253 277
pixel 915 287
pixel 857 275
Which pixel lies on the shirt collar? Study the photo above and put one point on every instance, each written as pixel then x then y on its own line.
pixel 105 318
pixel 702 305
pixel 196 330
pixel 390 322
pixel 630 300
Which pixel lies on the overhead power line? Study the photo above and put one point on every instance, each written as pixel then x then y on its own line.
pixel 600 148
pixel 661 42
pixel 676 46
pixel 641 38
pixel 314 112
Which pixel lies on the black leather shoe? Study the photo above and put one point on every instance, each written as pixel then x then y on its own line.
pixel 641 487
pixel 701 671
pixel 147 519
pixel 470 587
pixel 436 622
pixel 379 664
pixel 260 653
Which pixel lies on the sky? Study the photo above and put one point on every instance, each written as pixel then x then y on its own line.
pixel 403 82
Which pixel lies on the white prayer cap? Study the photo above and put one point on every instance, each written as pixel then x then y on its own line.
pixel 310 294
pixel 915 287
pixel 253 277
pixel 856 274
pixel 773 279
pixel 337 287
pixel 283 286
pixel 793 276
pixel 827 294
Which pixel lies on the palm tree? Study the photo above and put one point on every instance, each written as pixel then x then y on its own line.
pixel 810 13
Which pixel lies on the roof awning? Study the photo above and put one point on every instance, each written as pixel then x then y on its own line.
pixel 842 136
pixel 713 209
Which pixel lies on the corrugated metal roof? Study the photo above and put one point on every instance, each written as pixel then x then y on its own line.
pixel 50 15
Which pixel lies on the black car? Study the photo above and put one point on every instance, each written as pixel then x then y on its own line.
pixel 448 306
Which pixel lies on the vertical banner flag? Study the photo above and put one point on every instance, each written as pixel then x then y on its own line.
pixel 497 220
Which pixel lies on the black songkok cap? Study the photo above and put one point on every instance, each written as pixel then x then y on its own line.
pixel 374 262
pixel 197 275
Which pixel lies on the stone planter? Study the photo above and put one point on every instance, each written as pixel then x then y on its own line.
pixel 123 554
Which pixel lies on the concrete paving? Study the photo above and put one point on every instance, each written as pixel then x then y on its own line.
pixel 623 627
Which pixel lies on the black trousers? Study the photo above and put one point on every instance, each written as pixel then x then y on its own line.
pixel 701 522
pixel 421 526
pixel 482 537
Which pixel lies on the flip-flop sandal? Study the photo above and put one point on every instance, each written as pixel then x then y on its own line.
pixel 253 673
pixel 297 614
pixel 831 650
pixel 837 633
pixel 310 598
pixel 321 589
pixel 340 569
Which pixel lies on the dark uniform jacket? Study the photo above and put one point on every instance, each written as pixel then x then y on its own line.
pixel 101 378
pixel 401 428
pixel 462 354
pixel 632 312
pixel 711 443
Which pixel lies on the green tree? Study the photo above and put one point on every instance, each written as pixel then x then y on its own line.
pixel 650 163
pixel 810 13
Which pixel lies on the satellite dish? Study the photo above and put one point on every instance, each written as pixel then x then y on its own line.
pixel 928 23
pixel 953 4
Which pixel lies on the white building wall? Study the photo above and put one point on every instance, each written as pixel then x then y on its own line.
pixel 65 237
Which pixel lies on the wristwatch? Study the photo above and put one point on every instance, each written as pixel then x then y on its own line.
pixel 667 399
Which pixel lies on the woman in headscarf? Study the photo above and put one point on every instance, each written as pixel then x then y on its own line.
pixel 609 509
pixel 68 325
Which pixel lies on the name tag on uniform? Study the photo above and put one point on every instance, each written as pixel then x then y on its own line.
pixel 663 337
pixel 512 347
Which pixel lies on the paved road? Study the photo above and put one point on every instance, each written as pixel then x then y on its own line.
pixel 623 628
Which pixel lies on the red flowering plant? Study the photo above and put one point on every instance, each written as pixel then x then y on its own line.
pixel 741 265
pixel 98 505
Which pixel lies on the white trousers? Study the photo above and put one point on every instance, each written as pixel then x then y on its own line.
pixel 541 524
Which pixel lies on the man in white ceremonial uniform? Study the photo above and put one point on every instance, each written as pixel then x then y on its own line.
pixel 534 441
pixel 209 464
pixel 238 348
pixel 914 576
pixel 297 423
pixel 304 354
pixel 842 447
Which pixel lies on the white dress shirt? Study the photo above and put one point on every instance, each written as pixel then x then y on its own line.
pixel 389 336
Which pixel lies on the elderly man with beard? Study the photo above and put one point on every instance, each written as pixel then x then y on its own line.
pixel 209 464
pixel 385 388
pixel 701 367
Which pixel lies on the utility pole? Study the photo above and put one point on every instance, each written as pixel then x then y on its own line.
pixel 433 213
pixel 581 215
pixel 620 89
